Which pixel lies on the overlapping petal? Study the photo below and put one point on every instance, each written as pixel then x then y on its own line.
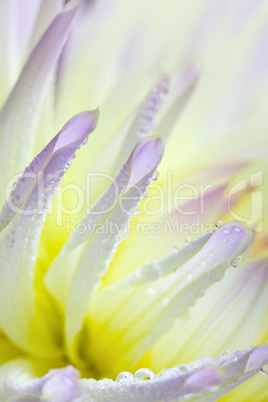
pixel 134 312
pixel 204 380
pixel 88 261
pixel 22 220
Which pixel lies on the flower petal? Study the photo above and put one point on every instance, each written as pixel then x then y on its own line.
pixel 22 220
pixel 231 315
pixel 19 115
pixel 19 383
pixel 144 120
pixel 205 380
pixel 182 88
pixel 89 263
pixel 133 313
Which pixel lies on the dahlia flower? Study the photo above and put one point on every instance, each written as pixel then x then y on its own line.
pixel 119 279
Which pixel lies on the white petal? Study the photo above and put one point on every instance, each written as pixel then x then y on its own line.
pixel 19 115
pixel 133 313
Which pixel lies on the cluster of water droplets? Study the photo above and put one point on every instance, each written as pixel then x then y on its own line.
pixel 152 105
pixel 136 210
pixel 142 374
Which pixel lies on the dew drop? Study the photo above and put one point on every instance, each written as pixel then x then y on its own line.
pixel 152 291
pixel 187 239
pixel 264 369
pixel 155 175
pixel 237 229
pixel 237 261
pixel 125 375
pixel 143 374
pixel 146 193
pixel 135 210
pixel 226 353
pixel 202 361
pixel 177 246
pixel 218 224
pixel 124 234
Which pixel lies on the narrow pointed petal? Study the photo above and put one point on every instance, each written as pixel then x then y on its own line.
pixel 22 220
pixel 16 25
pixel 144 120
pixel 139 310
pixel 183 86
pixel 89 264
pixel 231 316
pixel 204 380
pixel 46 13
pixel 18 118
pixel 170 263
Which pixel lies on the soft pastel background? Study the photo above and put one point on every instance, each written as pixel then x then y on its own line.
pixel 113 57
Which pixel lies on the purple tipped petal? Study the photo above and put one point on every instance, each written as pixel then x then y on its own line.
pixel 167 287
pixel 76 129
pixel 22 220
pixel 182 87
pixel 104 225
pixel 144 120
pixel 50 162
pixel 196 381
pixel 257 359
pixel 205 378
pixel 145 158
pixel 58 385
pixel 19 115
pixel 62 386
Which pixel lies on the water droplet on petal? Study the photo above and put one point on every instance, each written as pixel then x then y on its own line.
pixel 177 245
pixel 144 374
pixel 237 261
pixel 146 193
pixel 264 369
pixel 226 353
pixel 202 361
pixel 218 224
pixel 187 239
pixel 155 175
pixel 237 229
pixel 125 375
pixel 165 301
pixel 135 210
